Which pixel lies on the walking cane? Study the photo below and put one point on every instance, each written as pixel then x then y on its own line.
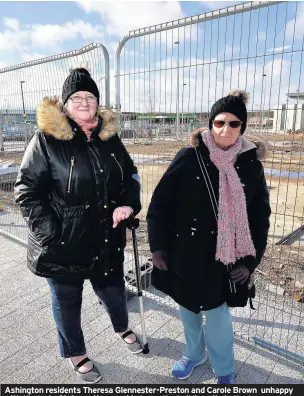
pixel 132 224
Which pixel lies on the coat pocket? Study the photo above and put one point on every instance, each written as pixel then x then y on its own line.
pixel 74 248
pixel 76 228
pixel 189 248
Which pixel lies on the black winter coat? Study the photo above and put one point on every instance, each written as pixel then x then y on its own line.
pixel 181 222
pixel 67 189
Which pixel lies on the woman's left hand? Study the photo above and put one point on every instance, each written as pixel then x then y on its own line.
pixel 120 214
pixel 240 274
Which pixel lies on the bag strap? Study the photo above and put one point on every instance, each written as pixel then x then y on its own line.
pixel 209 186
pixel 251 303
pixel 213 200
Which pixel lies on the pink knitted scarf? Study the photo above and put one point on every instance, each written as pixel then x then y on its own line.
pixel 234 238
pixel 87 126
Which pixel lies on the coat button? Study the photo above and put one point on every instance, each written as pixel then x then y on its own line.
pixel 96 258
pixel 177 235
pixel 192 233
pixel 243 185
pixel 106 273
pixel 101 170
pixel 201 307
pixel 62 243
pixel 106 241
pixel 237 167
pixel 75 129
pixel 212 232
pixel 105 206
pixel 197 177
pixel 194 219
pixel 118 249
pixel 111 269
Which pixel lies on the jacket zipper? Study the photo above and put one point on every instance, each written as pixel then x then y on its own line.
pixel 70 174
pixel 113 155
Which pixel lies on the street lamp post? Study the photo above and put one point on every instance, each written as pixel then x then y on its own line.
pixel 286 116
pixel 183 108
pixel 177 93
pixel 24 113
pixel 262 101
pixel 26 135
pixel 294 124
pixel 1 133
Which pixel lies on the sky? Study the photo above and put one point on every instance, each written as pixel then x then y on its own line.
pixel 29 30
pixel 213 56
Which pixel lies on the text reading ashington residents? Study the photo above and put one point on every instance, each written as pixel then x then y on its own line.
pixel 235 390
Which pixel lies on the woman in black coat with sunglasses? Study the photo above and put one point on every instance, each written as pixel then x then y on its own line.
pixel 208 223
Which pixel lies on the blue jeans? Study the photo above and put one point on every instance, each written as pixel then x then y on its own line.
pixel 217 338
pixel 66 305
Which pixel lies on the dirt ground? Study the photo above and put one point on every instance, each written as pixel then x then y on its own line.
pixel 282 265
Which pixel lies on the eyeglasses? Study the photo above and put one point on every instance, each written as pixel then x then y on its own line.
pixel 79 99
pixel 232 124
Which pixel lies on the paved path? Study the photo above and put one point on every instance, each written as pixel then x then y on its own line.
pixel 29 352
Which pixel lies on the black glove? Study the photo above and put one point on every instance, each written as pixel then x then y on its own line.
pixel 158 260
pixel 240 274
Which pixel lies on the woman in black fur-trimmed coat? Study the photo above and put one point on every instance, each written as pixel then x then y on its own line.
pixel 76 185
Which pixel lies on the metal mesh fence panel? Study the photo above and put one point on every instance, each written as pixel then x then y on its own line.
pixel 167 78
pixel 22 87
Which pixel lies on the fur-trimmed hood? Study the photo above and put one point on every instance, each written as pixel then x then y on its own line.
pixel 52 120
pixel 248 143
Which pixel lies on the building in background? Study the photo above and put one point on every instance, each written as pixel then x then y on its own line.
pixel 10 116
pixel 290 117
pixel 13 125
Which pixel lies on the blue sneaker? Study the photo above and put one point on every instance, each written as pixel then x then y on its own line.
pixel 226 379
pixel 184 367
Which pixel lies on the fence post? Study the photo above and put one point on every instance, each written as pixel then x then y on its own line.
pixel 1 136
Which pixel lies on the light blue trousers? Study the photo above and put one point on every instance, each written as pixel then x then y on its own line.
pixel 217 338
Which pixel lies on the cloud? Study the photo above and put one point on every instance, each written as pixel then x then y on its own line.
pixel 11 40
pixel 23 39
pixel 279 49
pixel 295 26
pixel 205 83
pixel 3 65
pixel 228 51
pixel 27 57
pixel 11 23
pixel 121 17
pixel 216 5
pixel 53 35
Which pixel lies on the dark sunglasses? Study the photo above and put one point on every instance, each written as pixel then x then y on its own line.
pixel 232 124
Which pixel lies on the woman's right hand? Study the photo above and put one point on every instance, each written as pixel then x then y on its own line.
pixel 158 260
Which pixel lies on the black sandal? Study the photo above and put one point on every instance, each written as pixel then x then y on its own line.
pixel 92 376
pixel 134 347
